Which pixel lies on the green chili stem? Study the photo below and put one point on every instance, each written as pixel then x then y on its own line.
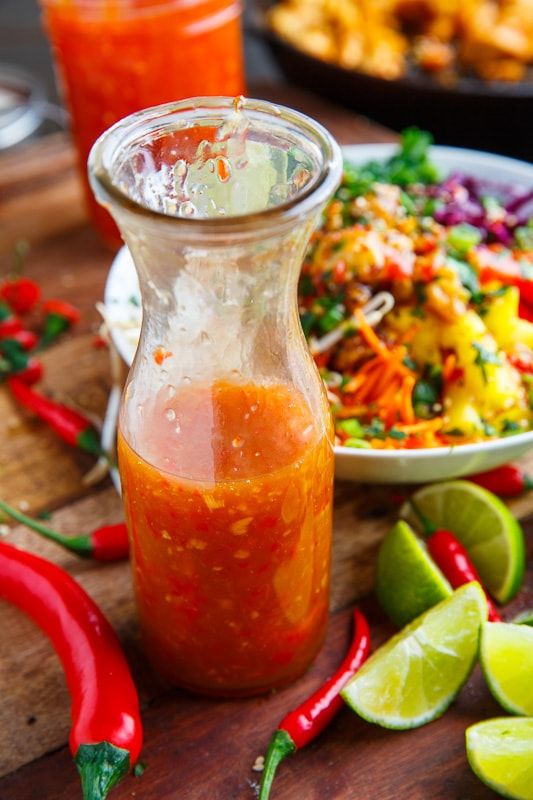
pixel 81 545
pixel 281 745
pixel 101 766
pixel 528 482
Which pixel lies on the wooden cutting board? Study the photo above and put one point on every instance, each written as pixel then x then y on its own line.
pixel 195 748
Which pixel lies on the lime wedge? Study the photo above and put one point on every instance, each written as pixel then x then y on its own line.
pixel 500 751
pixel 413 678
pixel 484 525
pixel 506 653
pixel 407 580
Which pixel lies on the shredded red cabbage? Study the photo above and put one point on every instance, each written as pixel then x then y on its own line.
pixel 494 208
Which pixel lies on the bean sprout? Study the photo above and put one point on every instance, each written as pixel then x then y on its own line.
pixel 377 307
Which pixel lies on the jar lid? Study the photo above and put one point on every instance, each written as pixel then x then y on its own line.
pixel 23 106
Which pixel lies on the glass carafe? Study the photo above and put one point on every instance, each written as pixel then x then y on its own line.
pixel 225 437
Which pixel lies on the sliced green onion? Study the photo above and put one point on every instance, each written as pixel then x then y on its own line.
pixel 352 427
pixel 358 444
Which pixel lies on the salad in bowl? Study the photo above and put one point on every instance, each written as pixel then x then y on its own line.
pixel 416 299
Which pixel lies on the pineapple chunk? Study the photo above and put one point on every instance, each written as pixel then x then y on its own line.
pixel 460 412
pixel 503 322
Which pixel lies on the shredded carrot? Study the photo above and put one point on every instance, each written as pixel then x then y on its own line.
pixel 406 403
pixel 370 336
pixel 370 365
pixel 346 412
pixel 410 333
pixel 354 384
pixel 450 362
pixel 422 426
pixel 386 378
pixel 366 392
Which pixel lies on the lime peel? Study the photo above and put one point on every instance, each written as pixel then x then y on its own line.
pixel 500 752
pixel 408 582
pixel 413 678
pixel 506 654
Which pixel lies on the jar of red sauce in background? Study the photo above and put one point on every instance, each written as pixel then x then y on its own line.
pixel 115 57
pixel 225 434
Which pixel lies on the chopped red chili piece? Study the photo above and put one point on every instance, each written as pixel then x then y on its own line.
pixel 21 294
pixel 525 311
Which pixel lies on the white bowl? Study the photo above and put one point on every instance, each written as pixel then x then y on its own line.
pixel 364 466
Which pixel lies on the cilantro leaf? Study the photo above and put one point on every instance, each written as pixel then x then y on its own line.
pixel 485 357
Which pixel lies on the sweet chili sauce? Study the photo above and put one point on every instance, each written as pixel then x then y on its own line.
pixel 229 514
pixel 118 56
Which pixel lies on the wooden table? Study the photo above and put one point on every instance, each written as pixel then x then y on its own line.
pixel 196 749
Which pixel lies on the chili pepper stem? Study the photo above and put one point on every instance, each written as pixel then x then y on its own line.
pixel 101 766
pixel 88 440
pixel 281 745
pixel 80 545
pixel 427 526
pixel 528 482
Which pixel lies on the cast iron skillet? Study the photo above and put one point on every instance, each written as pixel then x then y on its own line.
pixel 494 116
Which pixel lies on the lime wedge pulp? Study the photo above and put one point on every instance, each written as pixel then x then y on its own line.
pixel 484 525
pixel 500 751
pixel 413 678
pixel 407 580
pixel 506 653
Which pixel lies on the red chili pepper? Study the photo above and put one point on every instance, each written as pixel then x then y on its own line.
pixel 506 481
pixel 106 734
pixel 27 339
pixel 108 543
pixel 9 323
pixel 32 372
pixel 21 294
pixel 70 425
pixel 452 558
pixel 304 723
pixel 62 309
pixel 59 317
pixel 15 359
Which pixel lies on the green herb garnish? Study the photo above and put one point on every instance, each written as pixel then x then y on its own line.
pixel 352 427
pixel 485 357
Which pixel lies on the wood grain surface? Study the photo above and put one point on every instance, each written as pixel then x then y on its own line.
pixel 196 749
